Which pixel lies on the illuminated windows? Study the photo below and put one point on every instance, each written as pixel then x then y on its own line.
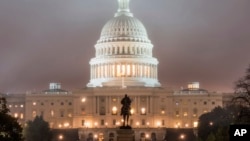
pixel 114 110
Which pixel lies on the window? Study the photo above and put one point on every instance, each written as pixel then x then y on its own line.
pixel 61 113
pixel 102 122
pixel 185 114
pixel 33 114
pixel 62 103
pixel 52 103
pixel 205 103
pixel 42 113
pixel 70 103
pixel 114 122
pixel 143 111
pixel 143 122
pixel 52 113
pixel 102 111
pixel 21 116
pixel 131 122
pixel 114 110
pixel 163 122
pixel 42 103
pixel 213 103
pixel 177 113
pixel 83 122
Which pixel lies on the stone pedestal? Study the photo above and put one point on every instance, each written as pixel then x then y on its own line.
pixel 125 135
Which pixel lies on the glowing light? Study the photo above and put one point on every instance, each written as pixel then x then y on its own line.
pixel 21 106
pixel 137 123
pixel 186 125
pixel 87 124
pixel 34 103
pixel 60 137
pixel 21 116
pixel 211 123
pixel 66 124
pixel 132 111
pixel 147 135
pixel 95 136
pixel 114 110
pixel 16 115
pixel 60 125
pixel 195 124
pixel 147 123
pixel 182 136
pixel 143 111
pixel 118 123
pixel 95 123
pixel 83 99
pixel 162 112
pixel 158 123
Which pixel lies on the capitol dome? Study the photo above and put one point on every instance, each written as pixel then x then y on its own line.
pixel 124 28
pixel 123 53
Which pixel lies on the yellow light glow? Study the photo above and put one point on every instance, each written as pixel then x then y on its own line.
pixel 132 111
pixel 143 110
pixel 195 124
pixel 66 124
pixel 60 137
pixel 182 136
pixel 21 116
pixel 16 115
pixel 137 123
pixel 87 124
pixel 95 123
pixel 158 123
pixel 114 110
pixel 34 103
pixel 162 112
pixel 147 135
pixel 83 99
pixel 118 123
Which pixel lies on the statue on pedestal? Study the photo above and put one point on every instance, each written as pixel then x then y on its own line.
pixel 125 111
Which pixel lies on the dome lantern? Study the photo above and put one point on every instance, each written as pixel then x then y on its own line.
pixel 123 8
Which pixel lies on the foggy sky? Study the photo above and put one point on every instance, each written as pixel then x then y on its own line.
pixel 44 41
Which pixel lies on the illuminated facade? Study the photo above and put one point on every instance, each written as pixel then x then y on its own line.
pixel 123 64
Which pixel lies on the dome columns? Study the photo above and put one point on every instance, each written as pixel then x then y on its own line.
pixel 118 70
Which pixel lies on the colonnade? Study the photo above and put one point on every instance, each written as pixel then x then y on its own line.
pixel 124 50
pixel 112 70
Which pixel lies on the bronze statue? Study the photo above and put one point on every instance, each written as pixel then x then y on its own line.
pixel 125 110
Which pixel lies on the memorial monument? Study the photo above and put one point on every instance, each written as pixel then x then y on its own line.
pixel 126 133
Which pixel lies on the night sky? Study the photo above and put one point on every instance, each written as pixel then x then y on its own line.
pixel 44 41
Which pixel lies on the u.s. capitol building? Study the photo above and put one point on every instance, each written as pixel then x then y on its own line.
pixel 123 64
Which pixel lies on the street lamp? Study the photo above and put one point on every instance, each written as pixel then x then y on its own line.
pixel 60 137
pixel 182 136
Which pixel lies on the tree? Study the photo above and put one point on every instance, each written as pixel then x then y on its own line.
pixel 216 123
pixel 242 98
pixel 10 129
pixel 37 130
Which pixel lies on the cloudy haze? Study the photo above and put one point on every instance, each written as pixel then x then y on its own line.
pixel 44 41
